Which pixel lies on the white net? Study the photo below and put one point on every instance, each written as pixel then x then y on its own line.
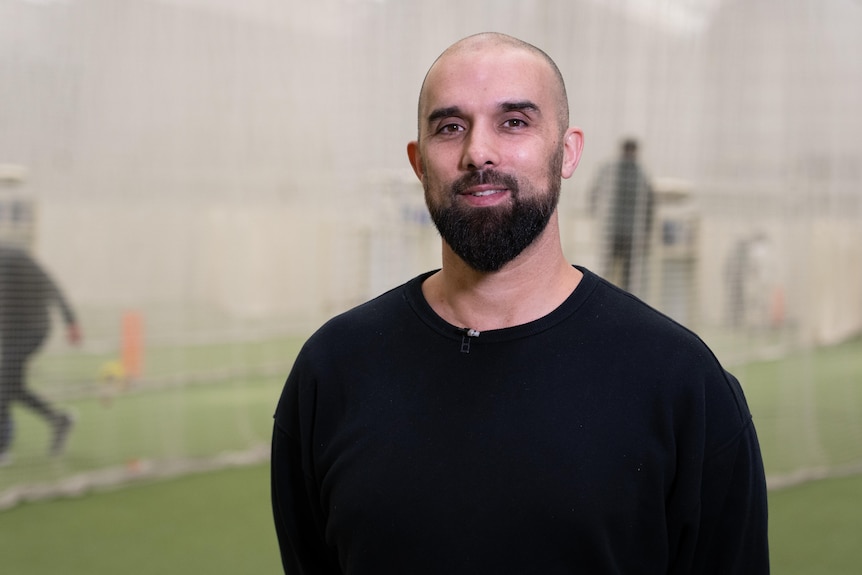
pixel 208 181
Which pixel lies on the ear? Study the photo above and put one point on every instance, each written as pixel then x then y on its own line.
pixel 415 159
pixel 573 145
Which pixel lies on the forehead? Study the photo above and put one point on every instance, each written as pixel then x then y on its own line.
pixel 488 75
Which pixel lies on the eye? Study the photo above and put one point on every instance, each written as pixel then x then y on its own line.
pixel 515 123
pixel 450 128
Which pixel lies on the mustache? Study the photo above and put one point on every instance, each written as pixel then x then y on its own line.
pixel 481 177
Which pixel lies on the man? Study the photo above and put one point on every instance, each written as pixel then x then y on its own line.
pixel 26 294
pixel 625 197
pixel 510 413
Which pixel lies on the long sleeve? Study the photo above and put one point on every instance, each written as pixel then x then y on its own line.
pixel 56 294
pixel 299 522
pixel 721 519
pixel 302 550
pixel 733 532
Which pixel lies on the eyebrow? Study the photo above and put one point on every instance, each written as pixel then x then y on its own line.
pixel 523 106
pixel 518 106
pixel 443 113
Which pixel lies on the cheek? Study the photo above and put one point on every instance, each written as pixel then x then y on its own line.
pixel 440 159
pixel 434 182
pixel 436 189
pixel 531 157
pixel 533 168
pixel 438 170
pixel 526 160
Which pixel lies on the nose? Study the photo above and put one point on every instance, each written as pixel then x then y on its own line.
pixel 480 149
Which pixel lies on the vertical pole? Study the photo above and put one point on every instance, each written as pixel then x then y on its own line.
pixel 132 344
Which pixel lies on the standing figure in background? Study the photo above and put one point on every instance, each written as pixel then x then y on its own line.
pixel 624 198
pixel 749 283
pixel 26 295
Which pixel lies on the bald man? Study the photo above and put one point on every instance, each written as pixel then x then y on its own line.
pixel 510 412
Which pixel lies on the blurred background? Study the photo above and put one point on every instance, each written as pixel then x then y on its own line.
pixel 209 180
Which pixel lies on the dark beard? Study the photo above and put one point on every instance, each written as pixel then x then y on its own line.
pixel 489 238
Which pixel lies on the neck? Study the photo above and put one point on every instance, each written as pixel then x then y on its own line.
pixel 526 289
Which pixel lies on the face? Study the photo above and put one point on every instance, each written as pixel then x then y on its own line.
pixel 491 151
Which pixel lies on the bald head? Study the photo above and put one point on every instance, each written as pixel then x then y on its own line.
pixel 495 42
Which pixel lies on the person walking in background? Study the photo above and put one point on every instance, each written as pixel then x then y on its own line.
pixel 510 412
pixel 623 199
pixel 27 293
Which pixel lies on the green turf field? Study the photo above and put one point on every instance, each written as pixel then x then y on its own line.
pixel 815 528
pixel 204 523
pixel 808 411
pixel 219 523
pixel 807 408
pixel 218 402
pixel 159 428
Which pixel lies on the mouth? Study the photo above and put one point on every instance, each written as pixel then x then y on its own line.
pixel 483 191
pixel 486 193
pixel 485 188
pixel 485 196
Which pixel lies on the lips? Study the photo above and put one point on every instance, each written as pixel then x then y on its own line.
pixel 482 192
pixel 485 189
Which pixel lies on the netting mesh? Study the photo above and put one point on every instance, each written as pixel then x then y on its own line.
pixel 208 181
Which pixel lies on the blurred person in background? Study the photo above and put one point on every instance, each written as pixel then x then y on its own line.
pixel 623 200
pixel 27 293
pixel 749 280
pixel 510 412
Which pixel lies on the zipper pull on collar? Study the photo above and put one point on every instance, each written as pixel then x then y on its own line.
pixel 467 335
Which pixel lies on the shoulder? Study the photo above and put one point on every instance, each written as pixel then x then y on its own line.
pixel 367 329
pixel 15 256
pixel 369 316
pixel 661 340
pixel 343 350
pixel 617 313
pixel 666 356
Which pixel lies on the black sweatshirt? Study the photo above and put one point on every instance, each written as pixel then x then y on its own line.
pixel 26 295
pixel 601 438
